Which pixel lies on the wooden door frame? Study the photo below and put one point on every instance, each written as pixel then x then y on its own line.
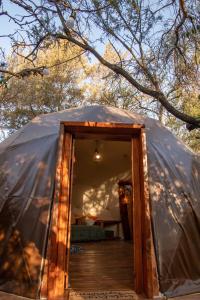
pixel 145 268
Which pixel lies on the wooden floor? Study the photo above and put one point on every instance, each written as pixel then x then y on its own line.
pixel 105 265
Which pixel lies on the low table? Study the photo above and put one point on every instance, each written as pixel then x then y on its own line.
pixel 107 223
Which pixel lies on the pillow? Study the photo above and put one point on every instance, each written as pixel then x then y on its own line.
pixel 89 222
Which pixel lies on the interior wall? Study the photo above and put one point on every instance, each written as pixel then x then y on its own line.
pixel 95 184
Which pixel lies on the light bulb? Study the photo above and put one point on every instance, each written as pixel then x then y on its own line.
pixel 97 156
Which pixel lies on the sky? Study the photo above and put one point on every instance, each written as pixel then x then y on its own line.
pixel 6 26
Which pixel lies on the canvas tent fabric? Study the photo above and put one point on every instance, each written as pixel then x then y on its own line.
pixel 27 174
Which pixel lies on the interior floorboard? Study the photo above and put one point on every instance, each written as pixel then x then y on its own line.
pixel 102 265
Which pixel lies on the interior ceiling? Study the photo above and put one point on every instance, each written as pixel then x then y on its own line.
pixel 115 155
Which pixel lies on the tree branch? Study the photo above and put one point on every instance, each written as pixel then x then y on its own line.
pixel 153 93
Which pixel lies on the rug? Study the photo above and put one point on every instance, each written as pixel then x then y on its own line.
pixel 103 295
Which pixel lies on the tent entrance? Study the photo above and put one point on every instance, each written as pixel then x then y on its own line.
pixel 101 244
pixel 58 252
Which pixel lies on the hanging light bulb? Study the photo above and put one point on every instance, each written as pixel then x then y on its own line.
pixel 97 157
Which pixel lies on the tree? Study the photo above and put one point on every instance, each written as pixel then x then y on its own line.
pixel 158 37
pixel 107 88
pixel 26 97
pixel 191 106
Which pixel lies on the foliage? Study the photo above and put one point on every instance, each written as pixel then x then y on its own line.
pixel 150 63
pixel 107 88
pixel 160 38
pixel 190 105
pixel 25 98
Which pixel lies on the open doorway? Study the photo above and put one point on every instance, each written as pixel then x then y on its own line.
pixel 145 271
pixel 101 248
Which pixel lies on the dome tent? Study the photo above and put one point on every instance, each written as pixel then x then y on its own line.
pixel 27 181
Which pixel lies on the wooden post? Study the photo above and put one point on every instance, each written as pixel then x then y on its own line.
pixel 137 217
pixel 69 220
pixel 150 277
pixel 145 268
pixel 60 219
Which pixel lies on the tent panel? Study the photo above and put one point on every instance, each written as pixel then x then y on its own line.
pixel 28 179
pixel 175 196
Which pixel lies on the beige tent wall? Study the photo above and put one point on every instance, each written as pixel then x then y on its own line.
pixel 26 188
pixel 174 174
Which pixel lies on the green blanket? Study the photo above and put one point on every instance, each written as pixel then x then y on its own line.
pixel 85 233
